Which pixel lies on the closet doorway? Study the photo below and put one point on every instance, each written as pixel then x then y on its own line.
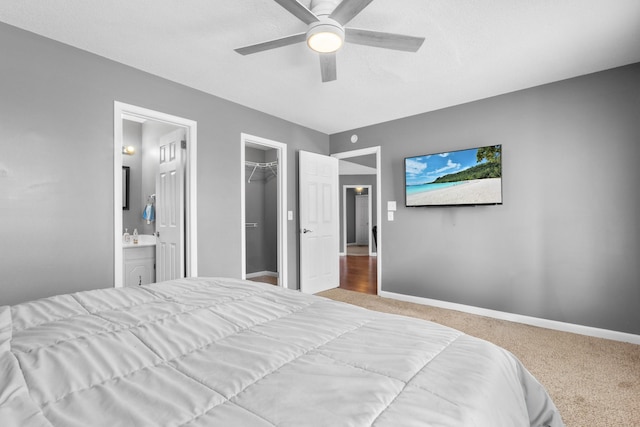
pixel 264 210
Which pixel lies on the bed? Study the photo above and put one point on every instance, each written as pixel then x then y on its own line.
pixel 225 352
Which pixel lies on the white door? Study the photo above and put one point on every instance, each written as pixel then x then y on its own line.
pixel 170 208
pixel 319 224
pixel 362 220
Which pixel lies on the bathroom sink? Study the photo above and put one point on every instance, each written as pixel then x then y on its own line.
pixel 143 240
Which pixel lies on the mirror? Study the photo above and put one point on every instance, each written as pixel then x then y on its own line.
pixel 125 188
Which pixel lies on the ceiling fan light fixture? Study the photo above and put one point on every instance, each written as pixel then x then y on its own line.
pixel 325 36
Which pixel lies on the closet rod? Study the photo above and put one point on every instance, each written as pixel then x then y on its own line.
pixel 256 165
pixel 261 164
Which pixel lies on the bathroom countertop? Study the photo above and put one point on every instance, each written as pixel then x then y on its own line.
pixel 143 240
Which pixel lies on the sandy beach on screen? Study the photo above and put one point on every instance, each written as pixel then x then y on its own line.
pixel 471 192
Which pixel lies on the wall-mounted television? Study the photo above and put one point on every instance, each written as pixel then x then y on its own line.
pixel 468 177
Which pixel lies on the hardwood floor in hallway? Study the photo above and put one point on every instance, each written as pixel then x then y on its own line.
pixel 359 273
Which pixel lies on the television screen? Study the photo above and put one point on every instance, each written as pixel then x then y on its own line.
pixel 455 178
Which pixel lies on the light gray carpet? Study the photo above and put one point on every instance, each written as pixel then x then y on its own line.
pixel 593 381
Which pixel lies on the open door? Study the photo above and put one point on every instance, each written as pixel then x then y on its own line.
pixel 319 223
pixel 170 208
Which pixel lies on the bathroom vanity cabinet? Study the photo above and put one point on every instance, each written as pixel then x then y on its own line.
pixel 139 265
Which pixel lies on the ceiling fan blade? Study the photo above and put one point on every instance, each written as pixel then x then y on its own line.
pixel 384 40
pixel 298 10
pixel 348 9
pixel 328 66
pixel 272 44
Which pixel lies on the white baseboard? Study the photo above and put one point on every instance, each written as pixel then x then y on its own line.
pixel 344 254
pixel 519 318
pixel 261 273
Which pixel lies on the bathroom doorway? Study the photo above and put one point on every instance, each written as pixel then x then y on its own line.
pixel 264 210
pixel 154 196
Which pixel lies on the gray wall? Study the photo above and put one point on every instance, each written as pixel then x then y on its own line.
pixel 254 212
pixel 271 215
pixel 350 213
pixel 132 136
pixel 56 166
pixel 565 244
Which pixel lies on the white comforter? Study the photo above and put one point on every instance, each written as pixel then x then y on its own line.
pixel 223 352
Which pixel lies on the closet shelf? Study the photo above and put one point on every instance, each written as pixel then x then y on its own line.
pixel 261 165
pixel 272 166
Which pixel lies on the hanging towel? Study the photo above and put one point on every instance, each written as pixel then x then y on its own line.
pixel 149 213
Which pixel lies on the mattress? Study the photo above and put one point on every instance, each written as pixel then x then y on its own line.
pixel 225 352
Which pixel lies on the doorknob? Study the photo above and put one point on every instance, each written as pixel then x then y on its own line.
pixel 305 231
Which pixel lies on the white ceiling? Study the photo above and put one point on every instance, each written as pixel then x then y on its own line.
pixel 349 168
pixel 474 49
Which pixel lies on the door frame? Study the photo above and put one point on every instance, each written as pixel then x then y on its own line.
pixel 123 111
pixel 344 215
pixel 282 204
pixel 377 150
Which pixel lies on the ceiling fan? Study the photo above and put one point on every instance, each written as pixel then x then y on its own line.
pixel 326 32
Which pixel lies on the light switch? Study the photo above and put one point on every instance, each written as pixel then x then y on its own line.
pixel 390 215
pixel 290 215
pixel 391 206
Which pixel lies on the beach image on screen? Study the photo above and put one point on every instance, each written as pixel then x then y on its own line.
pixel 465 177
